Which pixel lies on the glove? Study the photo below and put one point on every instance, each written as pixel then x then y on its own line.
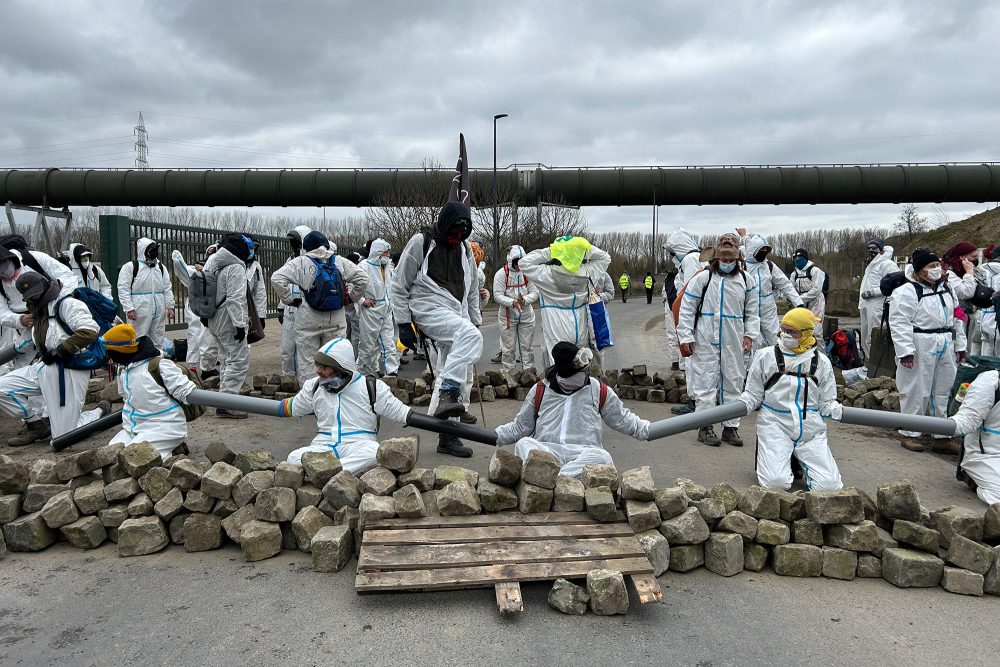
pixel 296 302
pixel 281 317
pixel 960 357
pixel 241 333
pixel 204 321
pixel 57 356
pixel 407 336
pixel 263 324
pixel 906 361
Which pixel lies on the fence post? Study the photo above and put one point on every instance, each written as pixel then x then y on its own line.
pixel 115 251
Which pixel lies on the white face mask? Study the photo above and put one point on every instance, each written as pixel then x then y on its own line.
pixel 85 263
pixel 934 274
pixel 8 271
pixel 788 341
pixel 385 260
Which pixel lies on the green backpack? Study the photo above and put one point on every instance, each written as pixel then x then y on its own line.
pixel 191 412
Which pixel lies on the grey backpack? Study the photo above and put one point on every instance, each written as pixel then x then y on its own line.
pixel 202 294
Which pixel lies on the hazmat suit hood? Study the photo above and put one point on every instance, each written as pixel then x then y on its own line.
pixel 140 248
pixel 680 242
pixel 887 251
pixel 76 253
pixel 515 252
pixel 301 232
pixel 753 244
pixel 11 256
pixel 341 351
pixel 222 258
pixel 454 215
pixel 238 245
pixel 13 242
pixel 378 247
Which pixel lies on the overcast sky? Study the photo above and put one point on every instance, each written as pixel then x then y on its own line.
pixel 380 84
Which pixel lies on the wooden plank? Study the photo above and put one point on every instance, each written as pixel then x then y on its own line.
pixel 431 556
pixel 509 598
pixel 493 534
pixel 485 576
pixel 647 587
pixel 498 519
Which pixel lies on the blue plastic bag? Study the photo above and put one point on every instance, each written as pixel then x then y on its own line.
pixel 601 321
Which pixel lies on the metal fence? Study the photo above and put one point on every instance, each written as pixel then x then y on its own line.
pixel 119 234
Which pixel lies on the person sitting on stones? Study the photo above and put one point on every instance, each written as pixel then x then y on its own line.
pixel 564 412
pixel 978 419
pixel 153 389
pixel 347 406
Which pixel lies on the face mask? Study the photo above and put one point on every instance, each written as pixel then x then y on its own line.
pixel 514 264
pixel 385 260
pixel 934 274
pixel 975 262
pixel 85 263
pixel 334 383
pixel 8 270
pixel 873 252
pixel 788 341
pixel 727 267
pixel 150 262
pixel 761 255
pixel 800 262
pixel 152 252
pixel 252 254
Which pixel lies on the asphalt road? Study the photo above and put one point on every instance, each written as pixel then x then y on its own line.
pixel 89 608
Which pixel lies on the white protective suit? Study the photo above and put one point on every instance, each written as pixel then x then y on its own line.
pixel 38 379
pixel 927 329
pixel 149 294
pixel 717 368
pixel 231 293
pixel 870 298
pixel 771 281
pixel 990 273
pixel 377 338
pixel 517 327
pixel 203 349
pixel 453 325
pixel 782 428
pixel 808 283
pixel 93 276
pixel 149 413
pixel 289 359
pixel 570 426
pixel 564 297
pixel 686 256
pixel 313 327
pixel 963 288
pixel 345 421
pixel 978 418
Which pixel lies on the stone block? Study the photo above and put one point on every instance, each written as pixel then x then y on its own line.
pixel 260 540
pixel 829 507
pixel 168 506
pixel 686 528
pixel 738 522
pixel 568 496
pixel 13 475
pixel 600 474
pixel 233 524
pixel 10 507
pixel 42 471
pixel 962 582
pixel 60 510
pixel 642 515
pixel 375 508
pixel 600 503
pixel 275 504
pixel 608 595
pixel 885 541
pixel 378 481
pixel 917 536
pixel 911 569
pixel 761 503
pixel 251 484
pixel 898 500
pixel 727 494
pixel 409 505
pixel 540 469
pixel 772 533
pixel 224 508
pixel 791 506
pixel 289 475
pixel 186 474
pixel 430 502
pixel 307 495
pixel 754 556
pixel 220 479
pixel 869 566
pixel 332 547
pixel 839 563
pixel 724 554
pixel 422 478
pixel 85 533
pixel 494 498
pixel 637 484
pixel 28 533
pixel 342 490
pixel 505 467
pixel 568 598
pixel 202 532
pixel 460 499
pixel 90 499
pixel 686 557
pixel 156 483
pixel 951 521
pixel 970 555
pixel 798 560
pixel 68 467
pixel 711 509
pixel 198 502
pixel 140 536
pixel 256 460
pixel 176 527
pixel 991 524
pixel 991 581
pixel 321 467
pixel 120 490
pixel 693 490
pixel 306 524
pixel 139 458
pixel 347 516
pixel 657 550
pixel 140 505
pixel 445 475
pixel 399 454
pixel 807 531
pixel 671 501
pixel 853 536
pixel 36 495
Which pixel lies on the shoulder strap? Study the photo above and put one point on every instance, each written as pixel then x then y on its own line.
pixel 539 393
pixel 154 371
pixel 427 241
pixel 372 390
pixel 135 272
pixel 809 271
pixel 779 359
pixel 604 397
pixel 32 262
pixel 59 317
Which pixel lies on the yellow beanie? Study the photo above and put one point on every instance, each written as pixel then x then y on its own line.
pixel 570 251
pixel 803 320
pixel 121 338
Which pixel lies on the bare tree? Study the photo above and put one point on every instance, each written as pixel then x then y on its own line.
pixel 911 224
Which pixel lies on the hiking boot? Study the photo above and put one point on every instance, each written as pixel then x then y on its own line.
pixel 468 418
pixel 225 413
pixel 449 444
pixel 963 476
pixel 497 359
pixel 34 431
pixel 797 471
pixel 105 408
pixel 912 444
pixel 403 361
pixel 675 366
pixel 209 374
pixel 450 403
pixel 707 435
pixel 420 356
pixel 180 450
pixel 946 446
pixel 732 436
pixel 683 409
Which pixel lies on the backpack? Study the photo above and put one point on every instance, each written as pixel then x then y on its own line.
pixel 102 309
pixel 779 358
pixel 890 281
pixel 327 290
pixel 370 381
pixel 540 393
pixel 202 293
pixel 91 357
pixel 843 349
pixel 255 333
pixel 826 279
pixel 135 272
pixel 675 307
pixel 191 412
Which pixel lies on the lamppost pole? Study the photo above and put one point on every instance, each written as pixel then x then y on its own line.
pixel 496 220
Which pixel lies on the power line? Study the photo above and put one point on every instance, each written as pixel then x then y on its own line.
pixel 141 150
pixel 64 143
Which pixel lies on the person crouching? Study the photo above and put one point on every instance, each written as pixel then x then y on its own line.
pixel 563 414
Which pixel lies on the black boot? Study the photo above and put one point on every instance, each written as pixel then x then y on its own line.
pixel 450 403
pixel 35 431
pixel 468 418
pixel 732 436
pixel 707 435
pixel 226 413
pixel 683 409
pixel 449 444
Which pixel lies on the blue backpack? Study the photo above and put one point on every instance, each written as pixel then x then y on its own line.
pixel 327 290
pixel 94 355
pixel 102 309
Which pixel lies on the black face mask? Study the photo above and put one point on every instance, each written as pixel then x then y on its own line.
pixel 295 242
pixel 152 252
pixel 514 264
pixel 762 254
pixel 120 358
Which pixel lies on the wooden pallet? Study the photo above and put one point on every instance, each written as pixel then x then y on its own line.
pixel 499 551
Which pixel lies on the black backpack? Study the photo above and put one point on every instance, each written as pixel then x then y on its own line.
pixel 779 358
pixel 826 279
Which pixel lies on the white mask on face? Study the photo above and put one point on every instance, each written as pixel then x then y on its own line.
pixel 788 341
pixel 934 274
pixel 84 263
pixel 7 270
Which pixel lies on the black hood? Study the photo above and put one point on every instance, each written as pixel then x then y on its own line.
pixel 237 244
pixel 147 350
pixel 453 214
pixel 7 254
pixel 13 242
pixel 79 251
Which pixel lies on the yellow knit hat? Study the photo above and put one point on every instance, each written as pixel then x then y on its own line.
pixel 121 338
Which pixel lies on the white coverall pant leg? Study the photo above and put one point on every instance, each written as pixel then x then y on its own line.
pixel 311 331
pixel 926 388
pixel 571 457
pixel 456 334
pixel 769 327
pixel 709 385
pixel 236 362
pixel 516 338
pixel 163 447
pixel 377 341
pixel 356 457
pixel 195 332
pixel 774 451
pixel 150 316
pixel 23 384
pixel 436 358
pixel 670 328
pixel 869 322
pixel 289 362
pixel 984 469
pixel 209 351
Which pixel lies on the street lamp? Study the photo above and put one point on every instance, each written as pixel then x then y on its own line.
pixel 496 221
